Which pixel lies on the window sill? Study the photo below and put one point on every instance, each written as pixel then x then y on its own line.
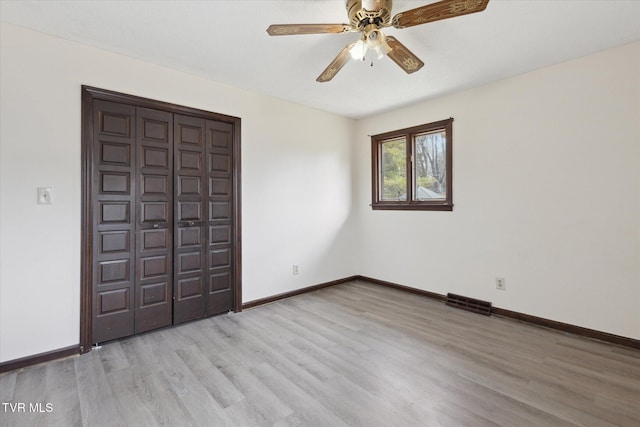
pixel 411 206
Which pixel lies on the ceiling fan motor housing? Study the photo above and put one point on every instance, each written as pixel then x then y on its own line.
pixel 367 12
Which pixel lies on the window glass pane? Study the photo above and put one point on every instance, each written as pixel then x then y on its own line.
pixel 393 169
pixel 430 163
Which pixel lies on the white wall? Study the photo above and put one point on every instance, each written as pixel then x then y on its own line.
pixel 546 187
pixel 296 182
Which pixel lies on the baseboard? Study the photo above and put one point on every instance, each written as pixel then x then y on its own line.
pixel 571 329
pixel 409 289
pixel 527 318
pixel 273 298
pixel 23 362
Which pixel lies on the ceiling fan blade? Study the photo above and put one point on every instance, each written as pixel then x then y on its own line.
pixel 294 29
pixel 336 65
pixel 403 56
pixel 436 11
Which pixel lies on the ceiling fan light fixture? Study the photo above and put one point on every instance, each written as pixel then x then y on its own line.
pixel 376 40
pixel 382 49
pixel 358 50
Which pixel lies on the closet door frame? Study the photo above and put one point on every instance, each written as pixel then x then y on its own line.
pixel 91 94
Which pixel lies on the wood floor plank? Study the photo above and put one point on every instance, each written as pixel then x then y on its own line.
pixel 354 354
pixel 262 405
pixel 132 396
pixel 216 383
pixel 195 398
pixel 113 357
pixel 8 386
pixel 97 403
pixel 139 354
pixel 160 398
pixel 307 409
pixel 62 392
pixel 30 389
pixel 280 348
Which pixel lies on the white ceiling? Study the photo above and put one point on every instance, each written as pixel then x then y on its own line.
pixel 226 41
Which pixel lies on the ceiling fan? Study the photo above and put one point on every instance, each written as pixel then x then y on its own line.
pixel 369 17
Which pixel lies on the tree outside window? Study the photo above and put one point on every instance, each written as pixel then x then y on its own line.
pixel 412 168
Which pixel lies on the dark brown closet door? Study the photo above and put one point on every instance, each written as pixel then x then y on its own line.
pixel 160 215
pixel 154 234
pixel 219 149
pixel 190 280
pixel 113 197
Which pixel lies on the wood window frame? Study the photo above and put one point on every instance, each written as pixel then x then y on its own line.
pixel 408 134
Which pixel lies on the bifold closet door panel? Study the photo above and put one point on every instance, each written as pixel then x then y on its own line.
pixel 159 222
pixel 190 279
pixel 219 150
pixel 113 194
pixel 154 220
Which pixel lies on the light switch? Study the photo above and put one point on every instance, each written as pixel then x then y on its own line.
pixel 44 196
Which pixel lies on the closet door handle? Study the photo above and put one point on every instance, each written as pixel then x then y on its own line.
pixel 156 226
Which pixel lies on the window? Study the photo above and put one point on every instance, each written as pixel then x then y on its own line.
pixel 412 168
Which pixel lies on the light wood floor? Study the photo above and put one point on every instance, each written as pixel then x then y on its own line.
pixel 355 354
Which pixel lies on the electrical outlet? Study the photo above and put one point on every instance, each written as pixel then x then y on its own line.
pixel 45 196
pixel 296 269
pixel 500 284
